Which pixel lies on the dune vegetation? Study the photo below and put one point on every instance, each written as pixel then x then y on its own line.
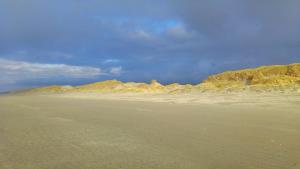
pixel 266 78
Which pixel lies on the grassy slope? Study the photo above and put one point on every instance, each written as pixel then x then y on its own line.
pixel 277 77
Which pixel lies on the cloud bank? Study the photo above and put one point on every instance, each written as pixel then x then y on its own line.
pixel 37 70
pixel 13 72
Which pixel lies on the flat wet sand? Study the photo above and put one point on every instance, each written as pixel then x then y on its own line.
pixel 40 132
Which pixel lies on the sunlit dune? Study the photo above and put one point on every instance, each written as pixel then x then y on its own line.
pixel 282 78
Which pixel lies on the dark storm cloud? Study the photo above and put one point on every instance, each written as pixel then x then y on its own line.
pixel 169 40
pixel 249 27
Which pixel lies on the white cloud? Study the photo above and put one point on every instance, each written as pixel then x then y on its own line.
pixel 116 70
pixel 179 31
pixel 13 71
pixel 108 61
pixel 141 35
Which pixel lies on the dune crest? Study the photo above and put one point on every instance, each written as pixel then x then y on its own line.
pixel 265 78
pixel 277 77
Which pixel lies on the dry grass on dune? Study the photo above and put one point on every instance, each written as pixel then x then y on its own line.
pixel 267 78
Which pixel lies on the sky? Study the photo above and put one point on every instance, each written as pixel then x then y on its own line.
pixel 72 42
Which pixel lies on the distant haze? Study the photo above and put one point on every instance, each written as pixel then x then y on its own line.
pixel 80 41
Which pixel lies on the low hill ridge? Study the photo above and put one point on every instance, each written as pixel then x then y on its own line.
pixel 264 78
pixel 284 77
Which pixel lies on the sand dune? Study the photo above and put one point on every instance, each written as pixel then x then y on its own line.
pixel 278 78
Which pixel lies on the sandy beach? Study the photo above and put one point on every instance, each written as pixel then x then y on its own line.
pixel 150 132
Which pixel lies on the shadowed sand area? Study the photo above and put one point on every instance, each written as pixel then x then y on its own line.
pixel 41 132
